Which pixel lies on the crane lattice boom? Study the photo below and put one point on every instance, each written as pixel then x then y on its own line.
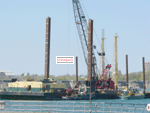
pixel 82 26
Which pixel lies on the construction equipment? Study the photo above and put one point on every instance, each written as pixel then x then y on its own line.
pixel 115 63
pixel 82 28
pixel 103 82
pixel 102 56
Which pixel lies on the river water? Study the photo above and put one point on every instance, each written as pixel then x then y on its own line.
pixel 62 105
pixel 63 102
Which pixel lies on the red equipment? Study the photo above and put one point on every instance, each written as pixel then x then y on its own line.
pixel 69 90
pixel 103 82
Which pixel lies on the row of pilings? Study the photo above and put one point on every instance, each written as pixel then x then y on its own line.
pixel 127 83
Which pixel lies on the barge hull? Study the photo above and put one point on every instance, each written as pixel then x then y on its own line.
pixel 30 96
pixel 55 95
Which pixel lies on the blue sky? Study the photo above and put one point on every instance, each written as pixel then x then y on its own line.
pixel 22 33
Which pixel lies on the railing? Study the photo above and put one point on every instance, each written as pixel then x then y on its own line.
pixel 72 107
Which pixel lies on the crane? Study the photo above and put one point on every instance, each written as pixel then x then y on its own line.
pixel 82 29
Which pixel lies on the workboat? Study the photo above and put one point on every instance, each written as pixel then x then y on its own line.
pixel 131 94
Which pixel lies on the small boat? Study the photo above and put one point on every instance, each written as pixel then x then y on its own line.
pixel 131 94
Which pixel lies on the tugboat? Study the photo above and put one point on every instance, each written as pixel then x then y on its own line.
pixel 131 94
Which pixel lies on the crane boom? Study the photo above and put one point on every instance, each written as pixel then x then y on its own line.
pixel 82 26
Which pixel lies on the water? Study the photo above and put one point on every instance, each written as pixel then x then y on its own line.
pixel 135 101
pixel 36 105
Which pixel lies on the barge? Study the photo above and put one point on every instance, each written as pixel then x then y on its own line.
pixel 33 90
